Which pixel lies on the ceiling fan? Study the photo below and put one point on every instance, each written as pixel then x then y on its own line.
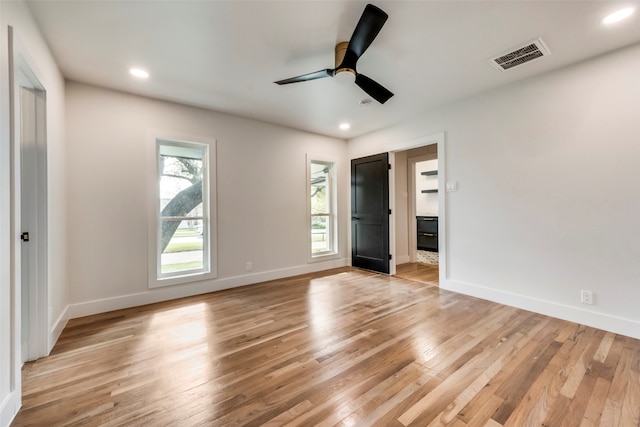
pixel 348 53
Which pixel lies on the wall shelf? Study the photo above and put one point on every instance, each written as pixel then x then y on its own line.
pixel 429 173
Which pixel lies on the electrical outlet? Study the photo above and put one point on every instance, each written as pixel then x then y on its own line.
pixel 249 266
pixel 586 297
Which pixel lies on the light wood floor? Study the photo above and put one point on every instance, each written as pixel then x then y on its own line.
pixel 419 272
pixel 350 348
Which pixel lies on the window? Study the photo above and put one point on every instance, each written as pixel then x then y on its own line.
pixel 322 207
pixel 183 228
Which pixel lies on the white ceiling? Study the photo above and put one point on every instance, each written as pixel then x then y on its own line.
pixel 225 55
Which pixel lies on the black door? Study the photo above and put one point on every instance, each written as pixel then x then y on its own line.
pixel 370 213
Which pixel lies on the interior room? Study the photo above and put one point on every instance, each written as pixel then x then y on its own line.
pixel 319 213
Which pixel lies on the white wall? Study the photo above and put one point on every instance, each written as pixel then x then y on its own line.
pixel 261 206
pixel 426 203
pixel 549 190
pixel 33 46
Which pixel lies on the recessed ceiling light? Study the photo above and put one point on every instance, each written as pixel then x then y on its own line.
pixel 618 16
pixel 137 72
pixel 345 126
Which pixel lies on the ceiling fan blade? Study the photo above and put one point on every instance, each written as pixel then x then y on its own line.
pixel 373 88
pixel 369 25
pixel 311 76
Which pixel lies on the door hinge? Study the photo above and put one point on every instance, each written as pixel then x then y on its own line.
pixel 389 166
pixel 390 257
pixel 389 211
pixel 24 237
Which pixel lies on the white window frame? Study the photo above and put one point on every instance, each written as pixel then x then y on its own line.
pixel 333 209
pixel 209 270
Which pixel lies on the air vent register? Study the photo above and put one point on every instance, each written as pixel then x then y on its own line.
pixel 527 52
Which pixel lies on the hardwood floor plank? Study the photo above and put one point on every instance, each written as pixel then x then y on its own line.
pixel 555 415
pixel 543 391
pixel 379 399
pixel 595 406
pixel 419 272
pixel 482 416
pixel 604 347
pixel 439 398
pixel 580 367
pixel 343 347
pixel 454 408
pixel 576 410
pixel 630 412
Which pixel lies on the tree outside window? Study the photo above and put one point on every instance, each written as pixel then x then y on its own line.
pixel 183 232
pixel 321 207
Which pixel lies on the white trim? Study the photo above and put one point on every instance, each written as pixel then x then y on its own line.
pixel 58 327
pixel 418 142
pixel 12 352
pixel 333 185
pixel 391 180
pixel 170 293
pixel 153 138
pixel 10 406
pixel 324 256
pixel 618 325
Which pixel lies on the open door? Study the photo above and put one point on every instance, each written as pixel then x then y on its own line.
pixel 370 213
pixel 29 108
pixel 33 222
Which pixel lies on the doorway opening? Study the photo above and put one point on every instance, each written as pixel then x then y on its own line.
pixel 419 204
pixel 423 205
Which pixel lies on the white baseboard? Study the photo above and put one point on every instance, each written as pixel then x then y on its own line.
pixel 607 322
pixel 9 408
pixel 57 328
pixel 180 291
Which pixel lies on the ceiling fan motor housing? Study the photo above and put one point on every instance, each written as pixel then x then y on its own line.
pixel 341 49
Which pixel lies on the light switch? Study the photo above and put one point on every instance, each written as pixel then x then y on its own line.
pixel 452 186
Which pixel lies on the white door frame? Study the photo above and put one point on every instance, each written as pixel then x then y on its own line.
pixel 439 140
pixel 24 75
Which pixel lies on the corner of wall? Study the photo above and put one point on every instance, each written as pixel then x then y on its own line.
pixel 57 328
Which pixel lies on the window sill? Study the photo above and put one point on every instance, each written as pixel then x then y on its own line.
pixel 179 280
pixel 323 256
